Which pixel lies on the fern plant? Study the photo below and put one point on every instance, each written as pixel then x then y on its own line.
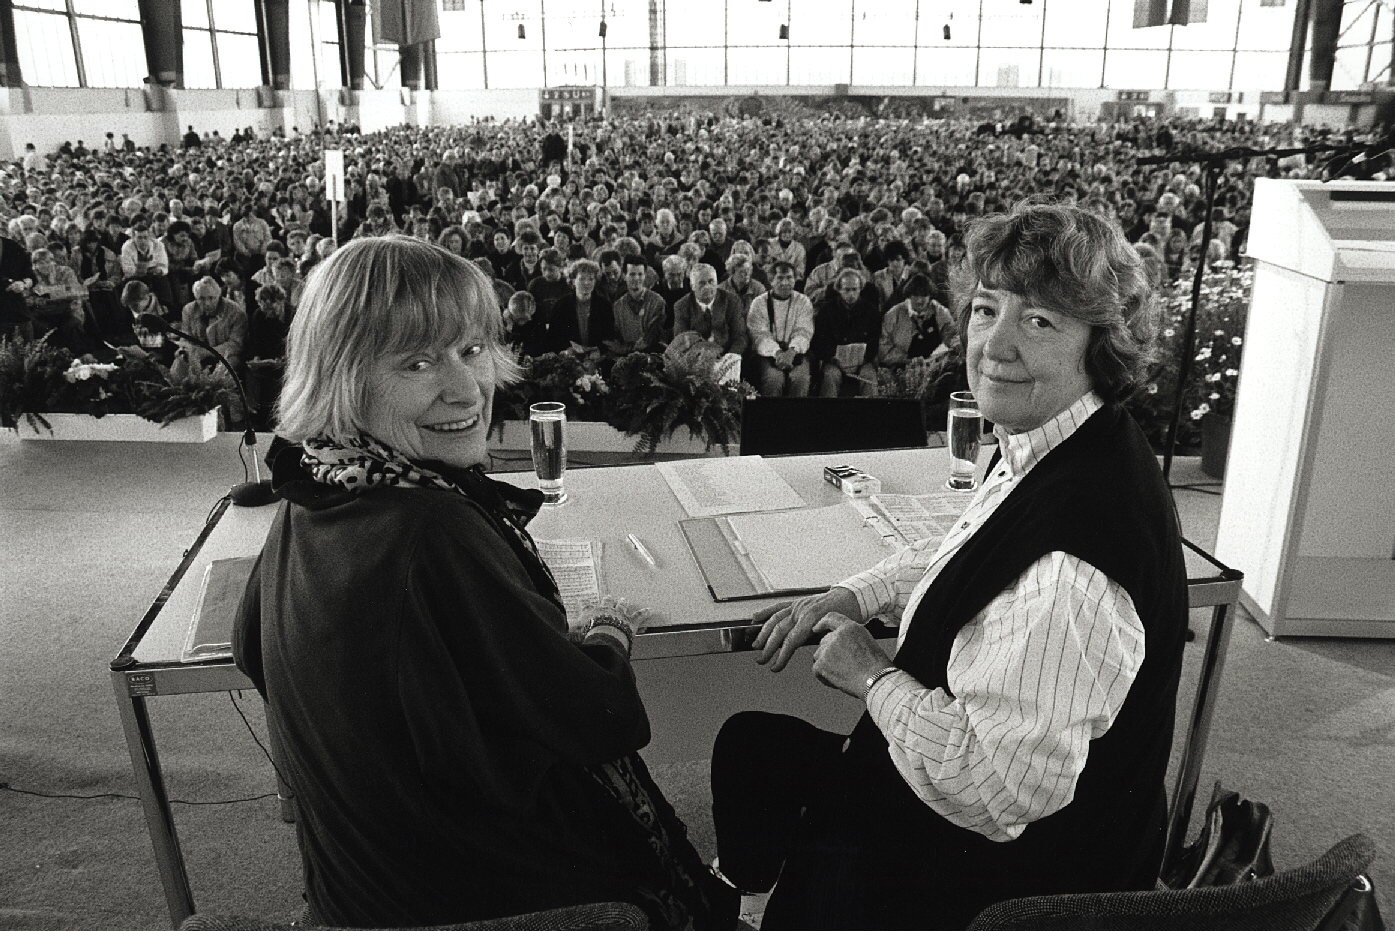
pixel 653 395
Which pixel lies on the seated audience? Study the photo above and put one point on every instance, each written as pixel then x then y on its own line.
pixel 143 257
pixel 847 334
pixel 740 282
pixel 781 324
pixel 217 321
pixel 639 312
pixel 56 303
pixel 551 285
pixel 917 328
pixel 524 329
pixel 127 330
pixel 582 317
pixel 713 314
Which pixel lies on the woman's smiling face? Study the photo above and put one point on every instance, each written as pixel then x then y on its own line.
pixel 1026 364
pixel 434 403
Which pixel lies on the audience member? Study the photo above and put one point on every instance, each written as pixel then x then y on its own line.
pixel 781 324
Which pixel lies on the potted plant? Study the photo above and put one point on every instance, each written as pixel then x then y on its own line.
pixel 654 394
pixel 48 393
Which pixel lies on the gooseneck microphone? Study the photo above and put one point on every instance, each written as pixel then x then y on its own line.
pixel 244 494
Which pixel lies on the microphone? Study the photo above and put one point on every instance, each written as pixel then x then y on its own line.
pixel 244 494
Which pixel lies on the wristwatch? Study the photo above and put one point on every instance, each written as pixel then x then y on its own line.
pixel 874 678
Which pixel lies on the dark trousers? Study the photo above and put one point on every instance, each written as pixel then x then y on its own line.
pixel 766 769
pixel 789 802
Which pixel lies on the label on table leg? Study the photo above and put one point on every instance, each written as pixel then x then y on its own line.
pixel 140 684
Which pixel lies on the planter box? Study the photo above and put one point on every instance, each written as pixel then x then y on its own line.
pixel 123 427
pixel 590 437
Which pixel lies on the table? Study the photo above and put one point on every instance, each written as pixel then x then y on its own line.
pixel 605 504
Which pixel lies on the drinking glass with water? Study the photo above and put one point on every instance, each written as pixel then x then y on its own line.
pixel 965 433
pixel 547 422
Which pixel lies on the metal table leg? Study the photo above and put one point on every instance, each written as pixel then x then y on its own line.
pixel 150 782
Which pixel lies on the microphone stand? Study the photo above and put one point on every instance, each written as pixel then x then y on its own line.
pixel 1214 164
pixel 255 493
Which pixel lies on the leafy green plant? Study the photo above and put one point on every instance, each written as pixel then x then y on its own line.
pixel 653 395
pixel 37 378
pixel 31 380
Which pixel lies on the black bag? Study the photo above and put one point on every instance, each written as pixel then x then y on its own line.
pixel 1233 846
pixel 1356 910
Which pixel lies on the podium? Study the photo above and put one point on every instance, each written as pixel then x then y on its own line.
pixel 1308 512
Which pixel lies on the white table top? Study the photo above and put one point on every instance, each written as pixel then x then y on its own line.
pixel 604 505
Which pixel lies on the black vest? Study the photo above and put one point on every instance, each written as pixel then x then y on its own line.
pixel 1099 496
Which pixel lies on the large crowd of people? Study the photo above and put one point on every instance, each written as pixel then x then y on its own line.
pixel 818 249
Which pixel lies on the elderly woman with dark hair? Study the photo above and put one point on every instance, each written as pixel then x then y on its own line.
pixel 456 753
pixel 1016 743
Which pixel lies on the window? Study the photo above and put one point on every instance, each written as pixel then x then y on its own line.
pixel 89 47
pixel 199 70
pixel 884 23
pixel 46 55
pixel 220 44
pixel 1198 71
pixel 106 56
pixel 1072 67
pixel 875 66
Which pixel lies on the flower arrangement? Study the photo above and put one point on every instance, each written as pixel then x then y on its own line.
pixel 572 376
pixel 38 378
pixel 654 394
pixel 930 380
pixel 1214 378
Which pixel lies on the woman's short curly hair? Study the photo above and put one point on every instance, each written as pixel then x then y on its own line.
pixel 1068 260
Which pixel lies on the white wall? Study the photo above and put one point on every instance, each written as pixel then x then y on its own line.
pixel 49 116
pixel 379 109
pixel 1327 114
pixel 453 107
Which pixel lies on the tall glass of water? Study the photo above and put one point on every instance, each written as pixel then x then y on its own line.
pixel 965 431
pixel 547 422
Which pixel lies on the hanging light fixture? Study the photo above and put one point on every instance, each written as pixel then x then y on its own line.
pixel 523 35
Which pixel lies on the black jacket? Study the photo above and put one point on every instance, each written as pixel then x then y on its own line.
pixel 436 721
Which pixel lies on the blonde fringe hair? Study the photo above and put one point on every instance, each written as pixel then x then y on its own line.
pixel 372 298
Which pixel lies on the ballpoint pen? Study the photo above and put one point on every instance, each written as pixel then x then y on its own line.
pixel 642 550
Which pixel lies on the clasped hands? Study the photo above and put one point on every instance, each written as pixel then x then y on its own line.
pixel 784 359
pixel 846 655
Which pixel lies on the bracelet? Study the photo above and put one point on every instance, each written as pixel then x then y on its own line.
pixel 605 620
pixel 874 678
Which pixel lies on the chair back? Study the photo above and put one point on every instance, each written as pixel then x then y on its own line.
pixel 599 916
pixel 790 426
pixel 1291 900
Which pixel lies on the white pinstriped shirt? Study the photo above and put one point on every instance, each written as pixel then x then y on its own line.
pixel 1036 675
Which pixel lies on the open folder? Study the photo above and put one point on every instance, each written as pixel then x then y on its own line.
pixel 782 552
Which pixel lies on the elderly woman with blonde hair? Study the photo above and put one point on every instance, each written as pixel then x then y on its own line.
pixel 1017 741
pixel 456 752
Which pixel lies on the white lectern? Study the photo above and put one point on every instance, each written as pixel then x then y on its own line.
pixel 1308 512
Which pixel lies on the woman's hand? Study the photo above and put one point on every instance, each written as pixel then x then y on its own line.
pixel 627 612
pixel 846 655
pixel 787 627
